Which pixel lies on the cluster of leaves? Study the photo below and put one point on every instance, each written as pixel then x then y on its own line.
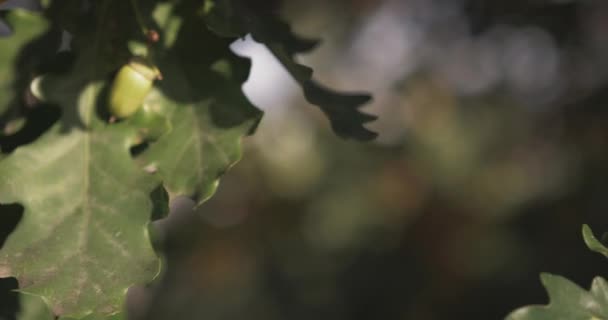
pixel 567 300
pixel 84 187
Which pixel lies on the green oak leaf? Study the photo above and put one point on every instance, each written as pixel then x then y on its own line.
pixel 33 308
pixel 118 316
pixel 568 301
pixel 209 114
pixel 592 242
pixel 151 120
pixel 234 18
pixel 26 27
pixel 83 238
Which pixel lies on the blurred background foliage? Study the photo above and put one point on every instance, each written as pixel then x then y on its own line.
pixel 493 150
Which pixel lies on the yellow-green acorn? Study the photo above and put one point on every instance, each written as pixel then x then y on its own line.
pixel 131 86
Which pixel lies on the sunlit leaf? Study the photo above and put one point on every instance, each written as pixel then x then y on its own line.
pixel 83 238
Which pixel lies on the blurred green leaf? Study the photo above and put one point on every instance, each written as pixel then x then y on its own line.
pixel 33 308
pixel 117 316
pixel 592 242
pixel 568 301
pixel 151 120
pixel 26 27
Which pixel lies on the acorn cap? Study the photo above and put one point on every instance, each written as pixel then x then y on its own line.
pixel 145 68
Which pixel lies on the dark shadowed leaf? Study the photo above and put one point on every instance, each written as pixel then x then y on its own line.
pixel 234 18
